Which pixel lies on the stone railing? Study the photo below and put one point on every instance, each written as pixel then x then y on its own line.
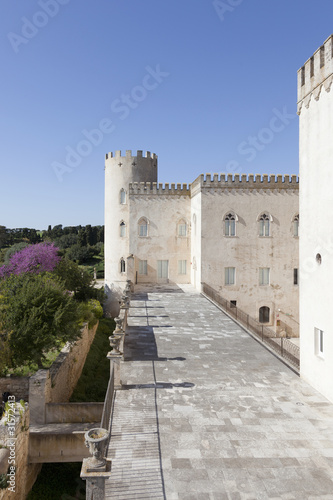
pixel 286 350
pixel 94 476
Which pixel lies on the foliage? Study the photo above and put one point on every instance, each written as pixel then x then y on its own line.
pixel 37 314
pixel 79 254
pixel 13 249
pixel 90 312
pixel 58 481
pixel 3 481
pixel 32 259
pixel 5 356
pixel 94 379
pixel 66 241
pixel 77 280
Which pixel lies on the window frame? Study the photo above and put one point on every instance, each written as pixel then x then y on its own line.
pixel 263 314
pixel 262 277
pixel 229 277
pixel 182 267
pixel 143 222
pixel 122 197
pixel 265 220
pixel 143 267
pixel 296 226
pixel 182 228
pixel 319 342
pixel 122 229
pixel 230 219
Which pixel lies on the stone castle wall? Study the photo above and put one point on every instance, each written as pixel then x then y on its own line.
pixel 18 386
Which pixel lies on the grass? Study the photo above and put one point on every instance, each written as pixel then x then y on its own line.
pixel 59 481
pixel 94 379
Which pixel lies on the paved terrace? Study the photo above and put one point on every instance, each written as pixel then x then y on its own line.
pixel 206 413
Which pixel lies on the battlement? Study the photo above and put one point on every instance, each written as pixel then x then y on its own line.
pixel 128 155
pixel 245 181
pixel 316 73
pixel 149 188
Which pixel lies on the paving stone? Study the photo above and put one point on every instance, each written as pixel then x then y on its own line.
pixel 207 413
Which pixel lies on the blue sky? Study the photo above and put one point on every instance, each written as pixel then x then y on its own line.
pixel 201 83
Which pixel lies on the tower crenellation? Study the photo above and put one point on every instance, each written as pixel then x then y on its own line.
pixel 314 74
pixel 244 181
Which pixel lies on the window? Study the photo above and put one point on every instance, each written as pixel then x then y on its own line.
pixel 142 267
pixel 264 313
pixel 233 303
pixel 143 227
pixel 229 275
pixel 195 223
pixel 182 228
pixel 296 225
pixel 122 196
pixel 182 267
pixel 230 224
pixel 264 221
pixel 264 275
pixel 162 268
pixel 122 265
pixel 319 342
pixel 295 276
pixel 122 229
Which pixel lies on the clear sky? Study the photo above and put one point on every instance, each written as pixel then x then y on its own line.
pixel 201 83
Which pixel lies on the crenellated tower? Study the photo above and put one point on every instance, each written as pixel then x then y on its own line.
pixel 315 109
pixel 120 172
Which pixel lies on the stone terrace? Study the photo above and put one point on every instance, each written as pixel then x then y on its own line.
pixel 206 413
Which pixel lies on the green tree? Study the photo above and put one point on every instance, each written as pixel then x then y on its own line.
pixel 82 237
pixel 14 249
pixel 77 280
pixel 78 254
pixel 36 314
pixel 3 236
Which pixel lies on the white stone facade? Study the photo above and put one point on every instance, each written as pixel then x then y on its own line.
pixel 315 109
pixel 177 233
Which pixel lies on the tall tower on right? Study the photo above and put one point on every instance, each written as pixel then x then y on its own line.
pixel 315 109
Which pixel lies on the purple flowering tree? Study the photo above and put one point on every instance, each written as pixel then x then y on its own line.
pixel 38 258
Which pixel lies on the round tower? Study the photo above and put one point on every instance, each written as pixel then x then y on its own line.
pixel 120 171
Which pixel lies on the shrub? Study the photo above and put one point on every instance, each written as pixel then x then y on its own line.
pixel 36 259
pixel 36 314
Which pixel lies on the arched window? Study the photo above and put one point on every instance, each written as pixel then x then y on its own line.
pixel 143 227
pixel 122 196
pixel 264 224
pixel 230 224
pixel 122 265
pixel 296 225
pixel 264 313
pixel 122 227
pixel 182 228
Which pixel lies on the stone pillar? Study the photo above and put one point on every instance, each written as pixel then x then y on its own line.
pixel 115 363
pixel 39 395
pixel 95 481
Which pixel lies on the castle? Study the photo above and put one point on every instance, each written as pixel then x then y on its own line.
pixel 239 234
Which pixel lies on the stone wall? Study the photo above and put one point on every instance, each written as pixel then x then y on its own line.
pixel 67 368
pixel 25 473
pixel 18 386
pixel 56 384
